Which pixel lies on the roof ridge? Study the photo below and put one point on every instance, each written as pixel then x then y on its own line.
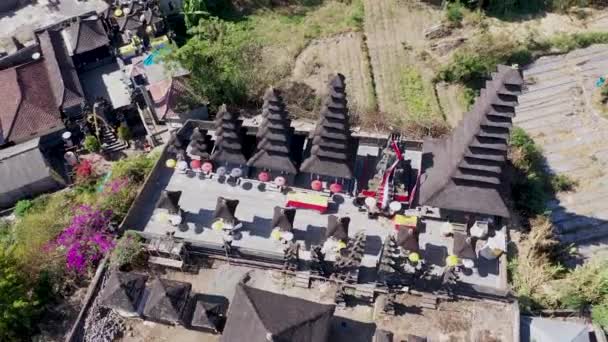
pixel 78 30
pixel 13 119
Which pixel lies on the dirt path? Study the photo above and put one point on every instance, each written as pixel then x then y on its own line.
pixel 343 53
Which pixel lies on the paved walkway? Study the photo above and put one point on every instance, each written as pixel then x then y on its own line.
pixel 556 110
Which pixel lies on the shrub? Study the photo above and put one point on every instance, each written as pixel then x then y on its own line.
pixel 454 13
pixel 22 207
pixel 531 188
pixel 562 183
pixel 118 198
pixel 534 268
pixel 567 42
pixel 599 314
pixel 128 252
pixel 124 133
pixel 134 169
pixel 86 239
pixel 18 306
pixel 586 285
pixel 92 144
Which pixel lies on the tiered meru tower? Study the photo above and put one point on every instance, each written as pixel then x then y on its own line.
pixel 464 171
pixel 274 138
pixel 228 150
pixel 331 154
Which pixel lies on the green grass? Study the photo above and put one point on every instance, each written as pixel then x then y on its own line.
pixel 292 31
pixel 474 62
pixel 258 49
pixel 423 114
pixel 418 95
pixel 454 12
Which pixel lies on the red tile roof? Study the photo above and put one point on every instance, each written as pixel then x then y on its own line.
pixel 9 100
pixel 29 108
pixel 167 95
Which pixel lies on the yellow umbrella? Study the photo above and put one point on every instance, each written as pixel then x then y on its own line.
pixel 452 260
pixel 414 257
pixel 170 163
pixel 341 244
pixel 276 234
pixel 218 225
pixel 118 12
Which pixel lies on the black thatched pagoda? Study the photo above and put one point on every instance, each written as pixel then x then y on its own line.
pixel 274 138
pixel 228 149
pixel 337 228
pixel 283 218
pixel 198 148
pixel 167 301
pixel 463 173
pixel 207 312
pixel 331 153
pixel 257 315
pixel 169 200
pixel 123 291
pixel 225 209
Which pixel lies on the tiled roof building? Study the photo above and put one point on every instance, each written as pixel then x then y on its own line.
pixel 29 109
pixel 266 316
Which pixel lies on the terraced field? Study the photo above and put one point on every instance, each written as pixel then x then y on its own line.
pixel 394 32
pixel 344 53
pixel 556 110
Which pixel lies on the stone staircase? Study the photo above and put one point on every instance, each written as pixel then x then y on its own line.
pixel 557 112
pixel 109 141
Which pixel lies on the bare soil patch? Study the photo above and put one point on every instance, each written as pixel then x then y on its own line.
pixel 452 321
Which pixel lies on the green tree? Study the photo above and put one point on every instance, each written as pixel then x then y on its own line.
pixel 220 56
pixel 92 144
pixel 17 307
pixel 194 11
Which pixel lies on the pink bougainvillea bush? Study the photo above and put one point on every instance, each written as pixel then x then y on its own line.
pixel 87 239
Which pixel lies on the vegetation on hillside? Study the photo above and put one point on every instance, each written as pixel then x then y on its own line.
pixel 475 61
pixel 538 279
pixel 424 117
pixel 515 8
pixel 55 244
pixel 234 57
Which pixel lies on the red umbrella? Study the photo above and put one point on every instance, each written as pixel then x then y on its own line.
pixel 195 164
pixel 335 188
pixel 316 185
pixel 207 167
pixel 263 176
